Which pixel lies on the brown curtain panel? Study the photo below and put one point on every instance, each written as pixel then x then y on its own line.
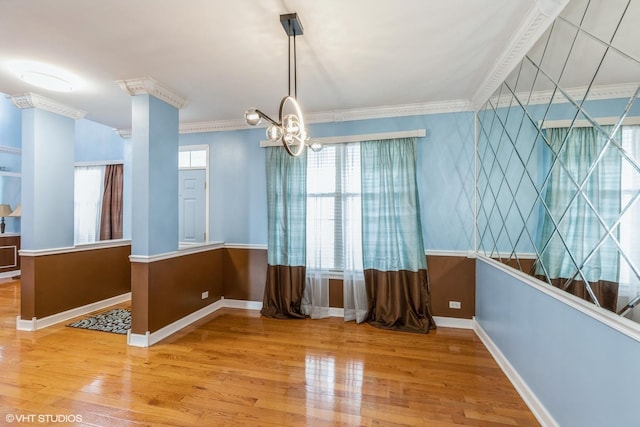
pixel 286 234
pixel 395 267
pixel 606 292
pixel 283 292
pixel 111 214
pixel 399 300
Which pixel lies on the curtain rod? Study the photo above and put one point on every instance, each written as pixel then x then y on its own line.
pixel 99 163
pixel 357 138
pixel 602 121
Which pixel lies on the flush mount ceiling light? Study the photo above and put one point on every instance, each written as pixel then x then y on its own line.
pixel 45 76
pixel 290 130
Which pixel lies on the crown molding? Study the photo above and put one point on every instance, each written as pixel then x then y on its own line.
pixel 624 90
pixel 436 107
pixel 123 133
pixel 33 100
pixel 150 86
pixel 541 16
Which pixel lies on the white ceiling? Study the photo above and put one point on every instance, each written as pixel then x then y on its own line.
pixel 225 56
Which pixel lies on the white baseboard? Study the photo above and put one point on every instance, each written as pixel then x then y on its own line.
pixel 35 323
pixel 150 338
pixel 240 303
pixel 445 322
pixel 537 408
pixel 9 274
pixel 453 322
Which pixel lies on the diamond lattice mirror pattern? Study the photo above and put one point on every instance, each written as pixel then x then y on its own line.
pixel 558 146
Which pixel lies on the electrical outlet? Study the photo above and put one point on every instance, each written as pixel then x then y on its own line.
pixel 455 304
pixel 205 295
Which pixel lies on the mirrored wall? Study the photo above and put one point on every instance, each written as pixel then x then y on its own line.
pixel 558 147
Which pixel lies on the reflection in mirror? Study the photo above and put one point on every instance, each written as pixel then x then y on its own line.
pixel 558 145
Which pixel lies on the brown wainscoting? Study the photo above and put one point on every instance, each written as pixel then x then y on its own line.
pixel 452 278
pixel 526 265
pixel 55 283
pixel 167 290
pixel 245 274
pixel 336 295
pixel 9 259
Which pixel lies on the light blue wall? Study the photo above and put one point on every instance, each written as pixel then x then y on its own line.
pixel 238 199
pixel 154 227
pixel 47 180
pixel 96 142
pixel 10 136
pixel 10 124
pixel 445 180
pixel 580 369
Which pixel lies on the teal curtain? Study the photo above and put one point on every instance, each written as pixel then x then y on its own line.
pixel 392 247
pixel 580 231
pixel 286 225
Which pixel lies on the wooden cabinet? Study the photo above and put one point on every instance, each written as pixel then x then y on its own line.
pixel 9 258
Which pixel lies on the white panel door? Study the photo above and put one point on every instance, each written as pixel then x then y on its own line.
pixel 192 197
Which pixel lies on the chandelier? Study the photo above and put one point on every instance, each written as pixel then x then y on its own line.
pixel 290 129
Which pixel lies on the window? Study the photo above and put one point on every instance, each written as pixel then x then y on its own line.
pixel 629 227
pixel 192 158
pixel 333 196
pixel 98 203
pixel 88 188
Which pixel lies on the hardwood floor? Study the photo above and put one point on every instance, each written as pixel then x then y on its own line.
pixel 236 368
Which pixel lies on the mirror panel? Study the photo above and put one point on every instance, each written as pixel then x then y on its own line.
pixel 558 145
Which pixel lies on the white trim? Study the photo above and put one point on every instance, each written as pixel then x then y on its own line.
pixel 99 163
pixel 453 322
pixel 336 312
pixel 10 274
pixel 123 133
pixel 15 174
pixel 138 340
pixel 445 322
pixel 184 250
pixel 33 100
pixel 245 246
pixel 508 255
pixel 596 93
pixel 419 109
pixel 603 121
pixel 10 150
pixel 196 147
pixel 150 338
pixel 35 323
pixel 150 86
pixel 419 133
pixel 103 244
pixel 610 319
pixel 242 304
pixel 461 254
pixel 537 408
pixel 531 28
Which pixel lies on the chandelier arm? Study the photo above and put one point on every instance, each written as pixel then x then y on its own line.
pixel 267 118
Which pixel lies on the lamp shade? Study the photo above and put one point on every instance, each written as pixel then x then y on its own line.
pixel 5 210
pixel 17 211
